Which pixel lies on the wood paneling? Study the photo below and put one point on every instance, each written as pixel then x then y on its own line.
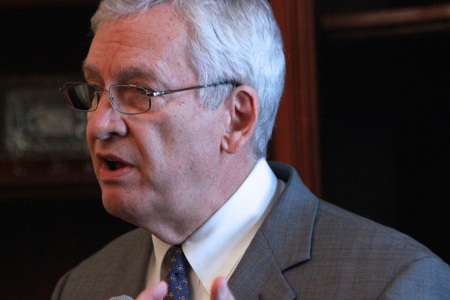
pixel 296 136
pixel 392 22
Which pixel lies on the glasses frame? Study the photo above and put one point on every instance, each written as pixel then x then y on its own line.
pixel 149 92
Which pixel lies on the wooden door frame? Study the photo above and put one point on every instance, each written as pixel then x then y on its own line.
pixel 296 134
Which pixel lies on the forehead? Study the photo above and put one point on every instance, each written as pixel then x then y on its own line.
pixel 151 41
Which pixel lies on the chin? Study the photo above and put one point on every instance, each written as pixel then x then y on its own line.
pixel 114 205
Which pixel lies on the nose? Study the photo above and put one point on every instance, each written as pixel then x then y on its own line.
pixel 105 122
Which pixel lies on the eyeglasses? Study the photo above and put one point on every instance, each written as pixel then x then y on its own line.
pixel 128 99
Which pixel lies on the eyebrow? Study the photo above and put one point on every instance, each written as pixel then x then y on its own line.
pixel 91 70
pixel 124 75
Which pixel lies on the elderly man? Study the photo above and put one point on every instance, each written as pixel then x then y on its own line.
pixel 181 99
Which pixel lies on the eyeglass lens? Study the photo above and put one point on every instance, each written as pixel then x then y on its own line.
pixel 125 98
pixel 80 96
pixel 129 99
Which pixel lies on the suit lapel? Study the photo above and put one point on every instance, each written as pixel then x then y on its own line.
pixel 283 241
pixel 258 275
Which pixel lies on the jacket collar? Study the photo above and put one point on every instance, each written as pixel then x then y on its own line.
pixel 283 241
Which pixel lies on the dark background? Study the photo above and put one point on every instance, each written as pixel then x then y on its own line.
pixel 385 132
pixel 384 124
pixel 384 111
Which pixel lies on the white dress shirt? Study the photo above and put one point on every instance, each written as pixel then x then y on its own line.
pixel 217 246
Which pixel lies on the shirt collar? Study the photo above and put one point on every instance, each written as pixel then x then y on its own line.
pixel 217 246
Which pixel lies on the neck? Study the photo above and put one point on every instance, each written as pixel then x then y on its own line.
pixel 213 195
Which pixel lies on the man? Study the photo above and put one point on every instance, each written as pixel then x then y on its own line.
pixel 181 99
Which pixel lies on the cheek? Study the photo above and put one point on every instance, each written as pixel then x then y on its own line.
pixel 89 135
pixel 90 140
pixel 201 139
pixel 147 143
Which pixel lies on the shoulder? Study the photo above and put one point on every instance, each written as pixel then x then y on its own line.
pixel 338 229
pixel 347 254
pixel 101 275
pixel 332 227
pixel 121 249
pixel 363 258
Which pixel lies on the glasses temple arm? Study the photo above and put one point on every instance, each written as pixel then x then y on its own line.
pixel 167 92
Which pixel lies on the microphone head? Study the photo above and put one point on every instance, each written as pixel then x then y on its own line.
pixel 123 297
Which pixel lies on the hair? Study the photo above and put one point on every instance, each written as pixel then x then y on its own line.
pixel 230 40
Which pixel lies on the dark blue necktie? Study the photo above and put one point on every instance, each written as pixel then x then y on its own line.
pixel 177 277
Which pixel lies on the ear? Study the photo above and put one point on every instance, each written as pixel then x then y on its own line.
pixel 243 109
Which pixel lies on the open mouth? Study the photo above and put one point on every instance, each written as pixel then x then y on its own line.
pixel 114 165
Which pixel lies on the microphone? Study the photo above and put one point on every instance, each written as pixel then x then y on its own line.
pixel 123 297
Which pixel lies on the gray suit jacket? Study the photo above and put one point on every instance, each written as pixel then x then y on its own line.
pixel 305 249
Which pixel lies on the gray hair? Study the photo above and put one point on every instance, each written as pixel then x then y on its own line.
pixel 230 40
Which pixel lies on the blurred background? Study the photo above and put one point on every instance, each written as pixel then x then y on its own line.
pixel 365 120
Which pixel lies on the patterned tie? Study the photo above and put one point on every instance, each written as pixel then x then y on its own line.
pixel 177 277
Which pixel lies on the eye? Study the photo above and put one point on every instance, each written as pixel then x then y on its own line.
pixel 143 88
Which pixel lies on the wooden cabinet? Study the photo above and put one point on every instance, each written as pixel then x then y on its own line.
pixel 42 46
